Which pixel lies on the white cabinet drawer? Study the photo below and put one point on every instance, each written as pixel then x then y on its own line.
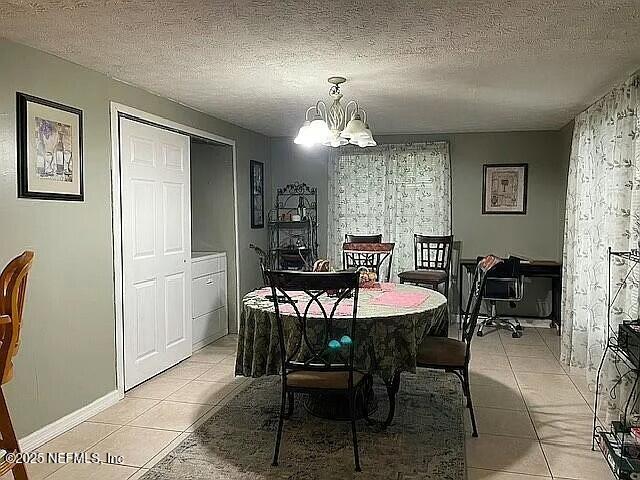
pixel 208 293
pixel 210 265
pixel 211 325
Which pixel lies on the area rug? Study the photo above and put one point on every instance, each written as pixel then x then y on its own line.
pixel 425 441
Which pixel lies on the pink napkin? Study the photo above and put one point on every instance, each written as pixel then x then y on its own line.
pixel 401 299
pixel 263 291
pixel 381 287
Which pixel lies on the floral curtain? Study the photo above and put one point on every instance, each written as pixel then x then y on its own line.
pixel 602 211
pixel 396 190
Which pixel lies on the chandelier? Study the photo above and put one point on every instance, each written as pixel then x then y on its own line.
pixel 329 126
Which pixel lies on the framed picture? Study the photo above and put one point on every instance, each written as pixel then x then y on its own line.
pixel 257 194
pixel 504 189
pixel 50 163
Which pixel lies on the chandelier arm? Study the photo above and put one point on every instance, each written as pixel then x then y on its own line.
pixel 321 102
pixel 306 115
pixel 365 116
pixel 346 110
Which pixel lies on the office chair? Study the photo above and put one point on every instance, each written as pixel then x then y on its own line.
pixel 504 284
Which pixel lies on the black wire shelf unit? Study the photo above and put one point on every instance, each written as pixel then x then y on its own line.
pixel 614 440
pixel 293 228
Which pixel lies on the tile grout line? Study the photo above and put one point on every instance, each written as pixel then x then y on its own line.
pixel 157 402
pixel 529 412
pixel 512 473
pixel 551 442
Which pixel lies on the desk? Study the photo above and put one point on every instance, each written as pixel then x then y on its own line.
pixel 533 269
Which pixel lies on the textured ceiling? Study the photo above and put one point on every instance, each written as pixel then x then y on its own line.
pixel 416 66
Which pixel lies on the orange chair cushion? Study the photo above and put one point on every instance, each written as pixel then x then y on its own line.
pixel 441 352
pixel 322 380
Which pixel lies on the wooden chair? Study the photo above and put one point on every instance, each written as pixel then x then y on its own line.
pixel 372 256
pixel 432 262
pixel 13 286
pixel 316 351
pixel 453 355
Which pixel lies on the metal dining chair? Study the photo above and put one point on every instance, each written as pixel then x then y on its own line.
pixel 452 355
pixel 264 261
pixel 319 359
pixel 432 262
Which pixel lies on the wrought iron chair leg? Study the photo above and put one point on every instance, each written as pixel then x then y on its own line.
pixel 291 402
pixel 352 408
pixel 467 388
pixel 364 394
pixel 392 390
pixel 280 425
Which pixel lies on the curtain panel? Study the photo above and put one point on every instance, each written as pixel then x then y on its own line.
pixel 396 190
pixel 602 211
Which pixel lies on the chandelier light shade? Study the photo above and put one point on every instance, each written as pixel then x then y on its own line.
pixel 354 129
pixel 329 126
pixel 304 134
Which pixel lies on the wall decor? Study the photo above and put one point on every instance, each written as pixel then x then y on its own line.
pixel 504 188
pixel 257 194
pixel 50 161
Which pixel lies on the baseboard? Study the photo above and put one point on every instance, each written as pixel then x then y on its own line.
pixel 48 432
pixel 210 339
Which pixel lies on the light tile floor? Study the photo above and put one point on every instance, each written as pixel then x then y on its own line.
pixel 151 420
pixel 533 418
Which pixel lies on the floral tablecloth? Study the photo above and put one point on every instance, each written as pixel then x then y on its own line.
pixel 392 320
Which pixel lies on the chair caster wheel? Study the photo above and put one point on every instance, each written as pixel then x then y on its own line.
pixel 518 327
pixel 480 334
pixel 516 334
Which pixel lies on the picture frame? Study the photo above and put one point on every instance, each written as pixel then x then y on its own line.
pixel 504 188
pixel 50 151
pixel 256 185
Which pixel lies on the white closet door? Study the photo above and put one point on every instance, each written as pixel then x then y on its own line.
pixel 156 249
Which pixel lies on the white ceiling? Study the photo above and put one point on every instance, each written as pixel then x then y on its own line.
pixel 416 66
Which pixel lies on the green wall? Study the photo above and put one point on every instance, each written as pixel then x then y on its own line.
pixel 67 356
pixel 538 234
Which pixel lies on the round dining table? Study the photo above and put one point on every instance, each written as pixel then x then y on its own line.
pixel 392 319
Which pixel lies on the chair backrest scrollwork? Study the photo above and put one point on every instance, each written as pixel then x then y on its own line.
pixel 316 314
